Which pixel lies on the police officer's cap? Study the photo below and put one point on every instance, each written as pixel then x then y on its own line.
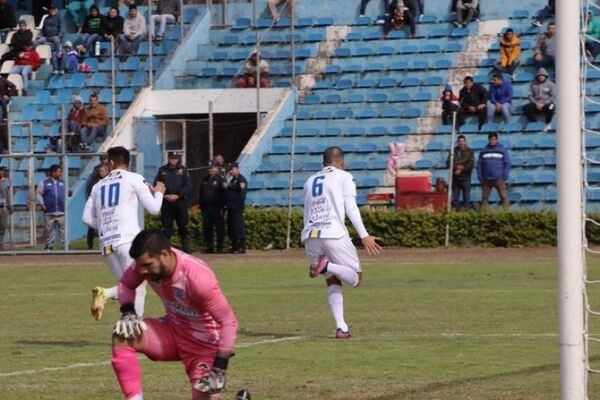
pixel 233 164
pixel 173 155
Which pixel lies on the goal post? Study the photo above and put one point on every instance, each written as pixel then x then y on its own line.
pixel 570 212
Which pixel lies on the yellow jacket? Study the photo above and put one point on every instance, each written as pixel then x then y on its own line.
pixel 509 50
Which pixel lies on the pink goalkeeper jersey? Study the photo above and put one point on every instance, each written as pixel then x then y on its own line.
pixel 195 304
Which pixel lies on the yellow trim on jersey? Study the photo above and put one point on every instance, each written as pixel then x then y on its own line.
pixel 106 250
pixel 314 233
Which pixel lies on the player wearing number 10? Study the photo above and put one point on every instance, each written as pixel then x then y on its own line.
pixel 328 196
pixel 112 209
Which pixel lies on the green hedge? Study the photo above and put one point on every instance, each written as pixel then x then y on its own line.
pixel 268 227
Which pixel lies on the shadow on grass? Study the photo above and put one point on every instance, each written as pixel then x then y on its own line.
pixel 434 387
pixel 65 343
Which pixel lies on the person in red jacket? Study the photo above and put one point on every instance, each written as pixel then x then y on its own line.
pixel 26 62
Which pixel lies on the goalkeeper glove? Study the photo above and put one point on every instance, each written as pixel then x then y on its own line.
pixel 130 326
pixel 214 381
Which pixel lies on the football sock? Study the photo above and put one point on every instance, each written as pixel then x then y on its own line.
pixel 336 305
pixel 345 274
pixel 127 368
pixel 112 293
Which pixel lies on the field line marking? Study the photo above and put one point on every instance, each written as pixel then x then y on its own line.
pixel 97 364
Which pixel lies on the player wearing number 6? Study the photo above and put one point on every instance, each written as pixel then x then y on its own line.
pixel 330 195
pixel 112 209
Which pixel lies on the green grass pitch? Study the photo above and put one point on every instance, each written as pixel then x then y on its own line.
pixel 472 324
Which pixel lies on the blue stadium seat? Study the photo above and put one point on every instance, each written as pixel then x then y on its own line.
pixel 99 79
pixel 132 63
pixel 333 98
pixel 355 98
pixel 126 95
pixel 241 24
pixel 42 97
pixel 356 131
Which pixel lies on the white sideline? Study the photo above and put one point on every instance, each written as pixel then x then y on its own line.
pixel 97 364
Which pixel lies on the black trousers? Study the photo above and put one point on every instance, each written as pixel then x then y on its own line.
pixel 212 220
pixel 530 110
pixel 235 229
pixel 481 116
pixel 90 238
pixel 178 212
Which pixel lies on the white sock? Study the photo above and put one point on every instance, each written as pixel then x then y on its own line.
pixel 336 305
pixel 137 397
pixel 140 298
pixel 343 273
pixel 112 293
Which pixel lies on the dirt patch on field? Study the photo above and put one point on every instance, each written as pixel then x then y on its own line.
pixel 541 254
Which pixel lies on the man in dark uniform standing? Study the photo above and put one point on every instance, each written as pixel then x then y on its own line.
pixel 178 184
pixel 236 196
pixel 212 204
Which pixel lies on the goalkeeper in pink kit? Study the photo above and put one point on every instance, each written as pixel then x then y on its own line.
pixel 199 327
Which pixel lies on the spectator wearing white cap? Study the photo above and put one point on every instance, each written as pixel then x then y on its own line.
pixel 65 60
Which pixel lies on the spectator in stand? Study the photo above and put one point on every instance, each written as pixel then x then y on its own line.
pixel 510 52
pixel 20 38
pixel 50 195
pixel 167 12
pixel 6 206
pixel 386 7
pixel 542 94
pixel 464 161
pixel 7 90
pixel 75 120
pixel 113 26
pixel 65 60
pixel 592 43
pixel 74 7
pixel 500 98
pixel 8 19
pixel 548 11
pixel 95 121
pixel 493 168
pixel 248 80
pixel 91 31
pixel 26 62
pixel 99 173
pixel 450 105
pixel 545 49
pixel 400 13
pixel 273 8
pixel 51 29
pixel 466 10
pixel 473 99
pixel 134 31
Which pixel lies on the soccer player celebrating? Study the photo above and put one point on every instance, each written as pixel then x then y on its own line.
pixel 199 329
pixel 112 210
pixel 328 196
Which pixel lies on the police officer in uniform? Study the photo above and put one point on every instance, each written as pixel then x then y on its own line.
pixel 236 196
pixel 212 205
pixel 176 179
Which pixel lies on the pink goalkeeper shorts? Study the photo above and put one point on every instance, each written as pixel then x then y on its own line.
pixel 161 343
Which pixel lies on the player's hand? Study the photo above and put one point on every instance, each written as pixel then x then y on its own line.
pixel 160 187
pixel 211 383
pixel 370 243
pixel 130 326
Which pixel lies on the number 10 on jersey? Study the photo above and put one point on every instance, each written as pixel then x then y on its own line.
pixel 113 195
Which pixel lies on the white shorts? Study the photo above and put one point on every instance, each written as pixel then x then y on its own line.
pixel 339 251
pixel 118 261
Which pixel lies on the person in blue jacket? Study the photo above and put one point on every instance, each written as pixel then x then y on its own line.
pixel 493 168
pixel 500 98
pixel 50 194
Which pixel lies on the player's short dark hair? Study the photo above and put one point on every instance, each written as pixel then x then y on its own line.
pixel 498 75
pixel 54 168
pixel 149 241
pixel 332 154
pixel 118 155
pixel 461 137
pixel 493 135
pixel 468 78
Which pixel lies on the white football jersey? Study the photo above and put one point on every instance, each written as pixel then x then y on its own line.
pixel 112 207
pixel 324 209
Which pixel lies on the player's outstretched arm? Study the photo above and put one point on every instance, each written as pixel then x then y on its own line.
pixel 89 214
pixel 370 243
